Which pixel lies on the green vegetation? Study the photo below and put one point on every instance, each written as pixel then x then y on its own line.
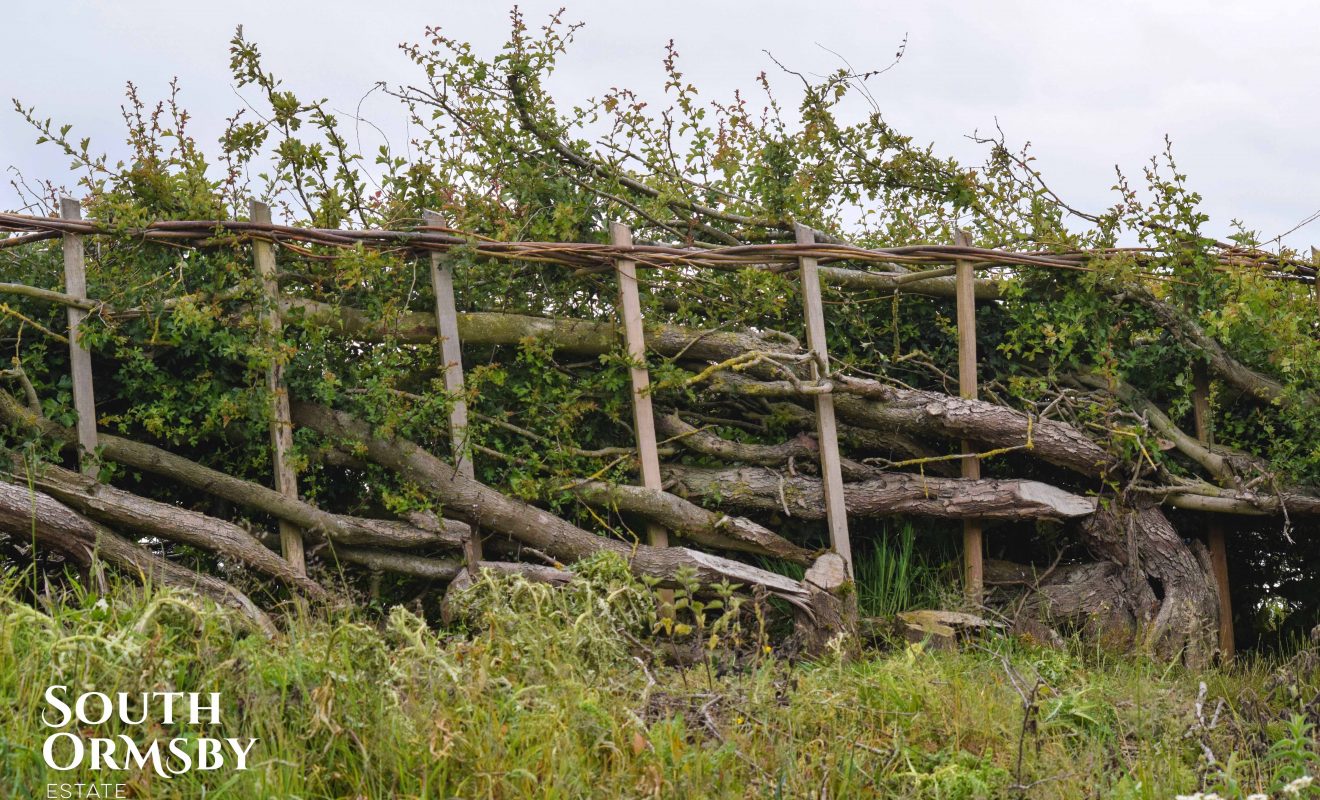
pixel 592 688
pixel 548 695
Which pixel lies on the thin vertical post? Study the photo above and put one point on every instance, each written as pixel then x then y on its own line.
pixel 827 431
pixel 1216 536
pixel 281 422
pixel 80 361
pixel 451 354
pixel 630 307
pixel 973 546
pixel 1315 261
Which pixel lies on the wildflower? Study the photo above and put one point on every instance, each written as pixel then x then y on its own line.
pixel 1258 796
pixel 1295 788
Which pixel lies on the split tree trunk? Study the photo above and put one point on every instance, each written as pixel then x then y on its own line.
pixel 146 517
pixel 1153 591
pixel 1141 539
pixel 28 515
pixel 483 506
pixel 336 527
pixel 891 493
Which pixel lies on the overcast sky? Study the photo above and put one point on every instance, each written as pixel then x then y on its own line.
pixel 1091 85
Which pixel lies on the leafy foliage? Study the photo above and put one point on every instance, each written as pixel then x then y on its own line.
pixel 499 155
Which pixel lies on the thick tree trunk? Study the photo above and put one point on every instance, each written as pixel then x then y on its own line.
pixel 1153 591
pixel 487 508
pixel 143 517
pixel 873 404
pixel 572 336
pixel 1098 600
pixel 1144 541
pixel 761 489
pixel 26 514
pixel 336 527
pixel 709 528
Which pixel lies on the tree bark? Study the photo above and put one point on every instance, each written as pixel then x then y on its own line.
pixel 483 506
pixel 873 404
pixel 131 513
pixel 1142 540
pixel 1096 599
pixel 760 489
pixel 336 527
pixel 709 528
pixel 26 514
pixel 573 336
pixel 446 569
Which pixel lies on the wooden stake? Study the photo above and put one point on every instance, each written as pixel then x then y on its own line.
pixel 1315 260
pixel 973 545
pixel 80 361
pixel 630 307
pixel 451 354
pixel 281 425
pixel 827 432
pixel 1216 536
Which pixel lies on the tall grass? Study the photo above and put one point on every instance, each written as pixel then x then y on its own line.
pixel 893 576
pixel 560 694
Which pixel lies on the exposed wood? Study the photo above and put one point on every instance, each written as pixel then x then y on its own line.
pixel 872 404
pixel 338 528
pixel 281 428
pixel 80 360
pixel 827 431
pixel 573 336
pixel 451 354
pixel 141 516
pixel 765 490
pixel 1164 575
pixel 630 308
pixel 544 531
pixel 26 514
pixel 1216 538
pixel 710 528
pixel 973 547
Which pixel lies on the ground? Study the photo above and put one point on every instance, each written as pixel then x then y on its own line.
pixel 565 693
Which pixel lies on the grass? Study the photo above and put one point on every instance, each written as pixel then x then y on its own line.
pixel 549 695
pixel 893 576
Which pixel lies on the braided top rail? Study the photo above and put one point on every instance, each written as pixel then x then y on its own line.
pixel 583 255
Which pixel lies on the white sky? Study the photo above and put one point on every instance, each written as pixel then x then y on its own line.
pixel 1090 84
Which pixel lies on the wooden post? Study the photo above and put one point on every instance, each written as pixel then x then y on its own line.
pixel 80 361
pixel 827 432
pixel 630 306
pixel 1215 534
pixel 973 546
pixel 281 424
pixel 451 355
pixel 1315 261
